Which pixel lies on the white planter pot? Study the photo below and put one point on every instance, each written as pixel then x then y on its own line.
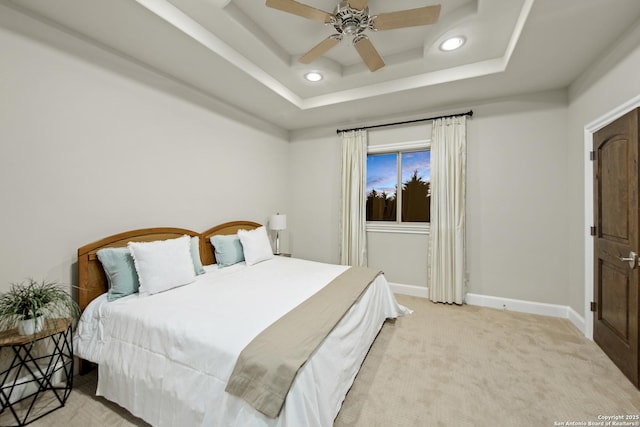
pixel 30 326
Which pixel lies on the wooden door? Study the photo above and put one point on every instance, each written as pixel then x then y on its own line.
pixel 617 274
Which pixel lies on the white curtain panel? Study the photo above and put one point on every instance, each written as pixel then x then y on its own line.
pixel 353 240
pixel 447 237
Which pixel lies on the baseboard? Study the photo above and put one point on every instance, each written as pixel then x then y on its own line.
pixel 577 320
pixel 517 305
pixel 554 310
pixel 411 290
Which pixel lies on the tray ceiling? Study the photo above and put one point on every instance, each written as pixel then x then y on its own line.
pixel 245 54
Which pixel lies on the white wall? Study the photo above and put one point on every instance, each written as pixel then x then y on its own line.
pixel 314 191
pixel 86 152
pixel 516 200
pixel 402 257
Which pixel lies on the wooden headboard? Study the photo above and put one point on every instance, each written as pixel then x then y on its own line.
pixel 92 281
pixel 206 249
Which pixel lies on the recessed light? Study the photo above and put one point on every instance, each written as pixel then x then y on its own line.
pixel 452 43
pixel 313 76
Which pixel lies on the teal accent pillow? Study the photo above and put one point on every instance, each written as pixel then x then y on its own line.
pixel 120 270
pixel 227 249
pixel 195 255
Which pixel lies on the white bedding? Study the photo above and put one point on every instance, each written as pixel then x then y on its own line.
pixel 167 357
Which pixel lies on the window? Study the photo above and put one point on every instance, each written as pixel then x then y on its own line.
pixel 388 171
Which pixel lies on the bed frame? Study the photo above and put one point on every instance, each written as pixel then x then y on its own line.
pixel 92 281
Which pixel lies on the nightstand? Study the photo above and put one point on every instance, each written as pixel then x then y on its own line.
pixel 40 376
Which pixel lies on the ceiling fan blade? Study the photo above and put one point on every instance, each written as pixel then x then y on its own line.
pixel 300 9
pixel 368 53
pixel 407 18
pixel 358 4
pixel 320 49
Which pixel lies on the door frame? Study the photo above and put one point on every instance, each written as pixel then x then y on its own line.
pixel 589 130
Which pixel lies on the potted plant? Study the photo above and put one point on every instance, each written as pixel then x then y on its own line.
pixel 27 305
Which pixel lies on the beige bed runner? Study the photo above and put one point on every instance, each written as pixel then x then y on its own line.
pixel 267 367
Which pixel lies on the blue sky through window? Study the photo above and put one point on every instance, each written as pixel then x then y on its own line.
pixel 382 169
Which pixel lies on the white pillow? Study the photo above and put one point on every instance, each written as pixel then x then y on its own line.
pixel 255 245
pixel 163 264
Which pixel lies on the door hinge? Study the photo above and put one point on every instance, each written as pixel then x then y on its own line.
pixel 592 155
pixel 593 306
pixel 592 230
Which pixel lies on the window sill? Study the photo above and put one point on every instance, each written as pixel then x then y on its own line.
pixel 381 227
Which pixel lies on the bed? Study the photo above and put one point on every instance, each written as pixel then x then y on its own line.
pixel 169 357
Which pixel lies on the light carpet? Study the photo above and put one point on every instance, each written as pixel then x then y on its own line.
pixel 452 366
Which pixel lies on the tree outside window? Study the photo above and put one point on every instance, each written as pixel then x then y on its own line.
pixel 387 172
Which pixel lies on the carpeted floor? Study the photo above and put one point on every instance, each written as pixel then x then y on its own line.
pixel 472 366
pixel 451 366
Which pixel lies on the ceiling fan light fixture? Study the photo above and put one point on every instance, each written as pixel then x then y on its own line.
pixel 313 76
pixel 350 27
pixel 452 43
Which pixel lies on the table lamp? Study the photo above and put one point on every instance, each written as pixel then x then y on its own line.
pixel 278 222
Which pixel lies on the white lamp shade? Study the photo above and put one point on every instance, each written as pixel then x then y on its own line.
pixel 278 222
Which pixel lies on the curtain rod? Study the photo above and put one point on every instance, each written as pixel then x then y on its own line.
pixel 468 113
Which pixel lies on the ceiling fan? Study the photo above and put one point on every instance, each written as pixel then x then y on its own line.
pixel 352 18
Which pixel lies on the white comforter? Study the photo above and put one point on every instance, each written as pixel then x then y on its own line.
pixel 167 357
